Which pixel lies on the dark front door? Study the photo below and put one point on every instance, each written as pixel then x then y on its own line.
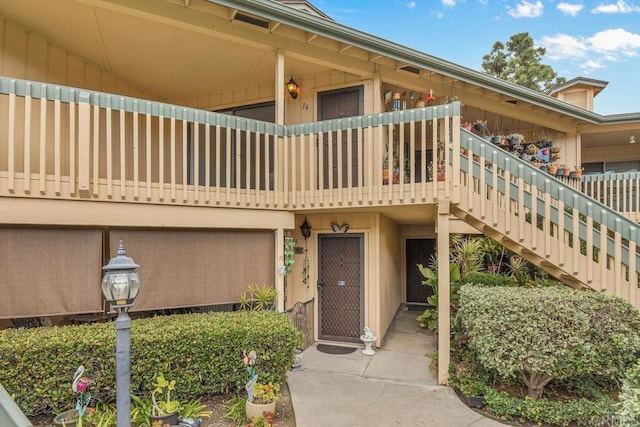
pixel 340 287
pixel 418 251
pixel 334 147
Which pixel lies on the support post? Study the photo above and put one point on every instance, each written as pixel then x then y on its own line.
pixel 123 370
pixel 279 251
pixel 444 327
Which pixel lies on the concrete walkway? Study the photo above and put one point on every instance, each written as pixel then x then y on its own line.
pixel 395 387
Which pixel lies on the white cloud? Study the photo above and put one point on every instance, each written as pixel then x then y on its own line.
pixel 564 46
pixel 449 3
pixel 571 9
pixel 620 6
pixel 616 42
pixel 437 14
pixel 611 45
pixel 411 5
pixel 526 9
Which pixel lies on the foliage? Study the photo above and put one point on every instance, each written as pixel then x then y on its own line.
pixel 258 297
pixel 200 350
pixel 166 405
pixel 520 62
pixel 629 405
pixel 581 412
pixel 540 334
pixel 486 279
pixel 430 316
pixel 267 419
pixel 234 409
pixel 264 393
pixel 194 409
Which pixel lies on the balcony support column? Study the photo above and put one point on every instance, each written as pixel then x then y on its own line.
pixel 279 262
pixel 444 284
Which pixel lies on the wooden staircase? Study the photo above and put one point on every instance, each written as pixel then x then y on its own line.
pixel 570 235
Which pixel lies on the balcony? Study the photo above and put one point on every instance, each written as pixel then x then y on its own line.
pixel 65 143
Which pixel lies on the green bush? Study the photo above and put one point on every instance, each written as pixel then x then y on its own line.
pixel 629 406
pixel 487 279
pixel 203 352
pixel 541 334
pixel 581 412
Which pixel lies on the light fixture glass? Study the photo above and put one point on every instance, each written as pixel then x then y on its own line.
pixel 293 88
pixel 121 282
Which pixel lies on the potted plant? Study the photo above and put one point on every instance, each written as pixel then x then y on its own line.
pixel 480 125
pixel 163 407
pixel 75 417
pixel 261 397
pixel 515 139
pixel 552 168
pixel 258 297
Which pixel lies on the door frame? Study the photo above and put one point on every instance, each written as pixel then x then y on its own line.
pixel 362 242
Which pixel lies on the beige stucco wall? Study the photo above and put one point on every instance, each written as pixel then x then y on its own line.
pixel 27 55
pixel 390 268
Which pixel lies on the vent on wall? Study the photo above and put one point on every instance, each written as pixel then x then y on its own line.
pixel 252 20
pixel 411 69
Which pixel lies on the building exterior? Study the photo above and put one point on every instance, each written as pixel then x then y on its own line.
pixel 168 124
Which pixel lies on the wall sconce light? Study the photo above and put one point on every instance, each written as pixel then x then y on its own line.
pixel 305 229
pixel 632 139
pixel 339 228
pixel 293 88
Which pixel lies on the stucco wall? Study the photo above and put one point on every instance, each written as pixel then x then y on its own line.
pixel 27 55
pixel 390 272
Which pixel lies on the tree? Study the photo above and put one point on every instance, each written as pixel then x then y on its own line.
pixel 520 62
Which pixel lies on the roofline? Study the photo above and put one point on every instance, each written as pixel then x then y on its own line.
pixel 600 84
pixel 330 29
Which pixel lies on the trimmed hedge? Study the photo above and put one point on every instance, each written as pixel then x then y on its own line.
pixel 203 352
pixel 487 279
pixel 539 334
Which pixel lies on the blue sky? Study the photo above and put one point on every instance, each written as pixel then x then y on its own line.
pixel 595 39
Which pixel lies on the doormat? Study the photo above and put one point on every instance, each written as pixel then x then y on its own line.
pixel 335 349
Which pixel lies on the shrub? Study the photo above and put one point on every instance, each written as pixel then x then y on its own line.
pixel 629 406
pixel 487 279
pixel 540 334
pixel 203 352
pixel 581 412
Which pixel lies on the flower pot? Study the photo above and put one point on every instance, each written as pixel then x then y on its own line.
pixel 552 169
pixel 496 140
pixel 254 410
pixel 171 419
pixel 70 418
pixel 385 177
pixel 560 172
pixel 475 402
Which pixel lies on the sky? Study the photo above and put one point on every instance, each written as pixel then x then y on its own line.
pixel 594 39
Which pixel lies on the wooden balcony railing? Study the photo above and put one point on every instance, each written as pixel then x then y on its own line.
pixel 619 191
pixel 65 143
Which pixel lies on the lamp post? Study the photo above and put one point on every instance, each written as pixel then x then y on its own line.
pixel 120 286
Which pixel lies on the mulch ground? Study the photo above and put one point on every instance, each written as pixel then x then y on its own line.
pixel 284 412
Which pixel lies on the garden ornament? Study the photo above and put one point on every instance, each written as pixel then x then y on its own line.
pixel 80 384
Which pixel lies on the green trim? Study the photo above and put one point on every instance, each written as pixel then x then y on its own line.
pixel 572 198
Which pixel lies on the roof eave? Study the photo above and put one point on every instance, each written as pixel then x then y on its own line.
pixel 330 29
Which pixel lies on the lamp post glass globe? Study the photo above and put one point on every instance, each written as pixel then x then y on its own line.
pixel 121 282
pixel 120 288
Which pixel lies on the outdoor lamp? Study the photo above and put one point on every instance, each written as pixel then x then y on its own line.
pixel 292 88
pixel 120 286
pixel 121 281
pixel 305 229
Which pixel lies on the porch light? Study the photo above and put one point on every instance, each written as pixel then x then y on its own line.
pixel 121 281
pixel 120 286
pixel 305 229
pixel 293 88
